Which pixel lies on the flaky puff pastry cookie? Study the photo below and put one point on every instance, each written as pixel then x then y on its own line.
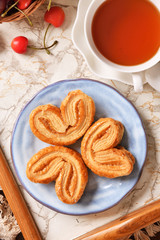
pixel 64 125
pixel 99 152
pixel 63 165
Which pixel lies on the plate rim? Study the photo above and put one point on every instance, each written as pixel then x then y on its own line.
pixel 14 129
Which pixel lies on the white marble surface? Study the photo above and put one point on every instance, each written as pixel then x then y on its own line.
pixel 21 76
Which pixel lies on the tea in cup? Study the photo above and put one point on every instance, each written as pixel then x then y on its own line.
pixel 125 34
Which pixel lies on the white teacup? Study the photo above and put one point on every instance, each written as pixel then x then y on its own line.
pixel 135 69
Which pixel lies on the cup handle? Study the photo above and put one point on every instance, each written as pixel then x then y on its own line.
pixel 137 81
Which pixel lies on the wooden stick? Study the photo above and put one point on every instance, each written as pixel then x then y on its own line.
pixel 125 225
pixel 16 201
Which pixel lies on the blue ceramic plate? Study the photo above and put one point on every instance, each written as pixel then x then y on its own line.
pixel 100 193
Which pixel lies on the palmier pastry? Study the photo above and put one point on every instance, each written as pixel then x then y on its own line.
pixel 64 125
pixel 63 165
pixel 99 152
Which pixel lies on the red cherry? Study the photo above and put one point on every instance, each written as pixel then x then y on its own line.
pixel 23 4
pixel 55 16
pixel 19 44
pixel 3 4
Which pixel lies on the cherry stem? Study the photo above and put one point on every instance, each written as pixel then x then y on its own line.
pixel 29 21
pixel 44 48
pixel 49 5
pixel 44 40
pixel 13 5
